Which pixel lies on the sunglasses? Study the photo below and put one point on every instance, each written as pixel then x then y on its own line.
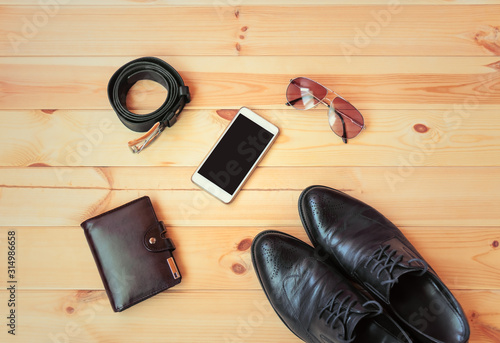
pixel 344 119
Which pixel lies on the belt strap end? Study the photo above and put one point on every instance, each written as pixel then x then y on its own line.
pixel 139 144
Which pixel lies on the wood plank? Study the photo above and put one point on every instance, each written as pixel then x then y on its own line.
pixel 213 258
pixel 259 81
pixel 429 160
pixel 406 138
pixel 319 30
pixel 424 196
pixel 462 200
pixel 453 181
pixel 226 5
pixel 240 316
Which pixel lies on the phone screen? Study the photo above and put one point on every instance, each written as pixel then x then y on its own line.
pixel 235 154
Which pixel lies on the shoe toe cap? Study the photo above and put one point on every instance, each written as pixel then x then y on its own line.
pixel 275 253
pixel 322 207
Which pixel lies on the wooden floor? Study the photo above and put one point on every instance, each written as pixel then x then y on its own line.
pixel 425 74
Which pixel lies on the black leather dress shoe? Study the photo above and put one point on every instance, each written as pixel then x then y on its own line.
pixel 376 254
pixel 313 300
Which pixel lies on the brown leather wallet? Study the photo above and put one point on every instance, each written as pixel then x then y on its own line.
pixel 132 253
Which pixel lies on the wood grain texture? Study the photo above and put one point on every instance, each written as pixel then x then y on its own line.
pixel 425 76
pixel 459 83
pixel 406 138
pixel 452 181
pixel 222 5
pixel 62 207
pixel 422 196
pixel 86 317
pixel 318 30
pixel 214 258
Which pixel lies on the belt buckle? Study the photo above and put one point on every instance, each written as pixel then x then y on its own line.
pixel 139 144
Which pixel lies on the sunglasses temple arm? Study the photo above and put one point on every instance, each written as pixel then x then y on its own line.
pixel 344 133
pixel 291 103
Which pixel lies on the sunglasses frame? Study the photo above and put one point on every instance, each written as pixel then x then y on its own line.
pixel 329 105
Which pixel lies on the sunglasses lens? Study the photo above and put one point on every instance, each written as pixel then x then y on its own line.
pixel 352 118
pixel 303 93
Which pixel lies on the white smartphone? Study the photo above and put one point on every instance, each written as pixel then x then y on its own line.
pixel 235 155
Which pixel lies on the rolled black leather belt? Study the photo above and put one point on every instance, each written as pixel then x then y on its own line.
pixel 148 68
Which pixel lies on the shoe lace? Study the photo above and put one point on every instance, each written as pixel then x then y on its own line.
pixel 342 313
pixel 389 261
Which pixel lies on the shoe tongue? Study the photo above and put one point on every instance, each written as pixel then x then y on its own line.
pixel 352 322
pixel 400 270
pixel 355 315
pixel 397 271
